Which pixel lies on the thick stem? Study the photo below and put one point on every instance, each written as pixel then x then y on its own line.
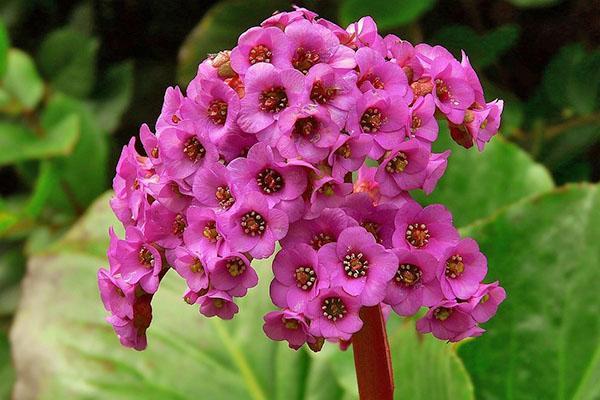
pixel 372 357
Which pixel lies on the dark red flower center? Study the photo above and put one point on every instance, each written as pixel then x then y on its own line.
pixel 372 120
pixel 374 79
pixel 179 225
pixel 408 275
pixel 397 164
pixel 417 235
pixel 224 197
pixel 416 123
pixel 344 151
pixel 235 266
pixel 217 112
pixel 259 53
pixel 193 149
pixel 355 264
pixel 372 228
pixel 321 94
pixel 253 223
pixel 145 257
pixel 196 266
pixel 273 100
pixel 304 59
pixel 442 90
pixel 454 266
pixel 320 240
pixel 306 128
pixel 333 308
pixel 305 277
pixel 210 232
pixel 442 313
pixel 269 181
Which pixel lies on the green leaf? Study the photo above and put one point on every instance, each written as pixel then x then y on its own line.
pixel 22 80
pixel 113 95
pixel 482 50
pixel 387 14
pixel 19 143
pixel 7 374
pixel 46 183
pixel 544 343
pixel 12 269
pixel 78 356
pixel 68 59
pixel 4 45
pixel 534 3
pixel 219 29
pixel 477 184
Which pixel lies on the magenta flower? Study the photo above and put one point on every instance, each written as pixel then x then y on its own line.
pixel 171 194
pixel 422 123
pixel 404 168
pixel 382 116
pixel 486 300
pixel 415 283
pixel 464 266
pixel 217 107
pixel 377 220
pixel 450 321
pixel 490 123
pixel 328 192
pixel 289 326
pixel 204 234
pixel 366 183
pixel 232 273
pixel 363 33
pixel 129 335
pixel 348 154
pixel 170 114
pixel 138 260
pixel 260 45
pixel 268 91
pixel 307 133
pixel 252 226
pixel 283 19
pixel 213 187
pixel 150 144
pixel 452 92
pixel 472 78
pixel 190 266
pixel 319 231
pixel 359 265
pixel 235 145
pixel 163 226
pixel 428 228
pixel 184 151
pixel 117 295
pixel 298 277
pixel 435 170
pixel 217 303
pixel 377 74
pixel 334 315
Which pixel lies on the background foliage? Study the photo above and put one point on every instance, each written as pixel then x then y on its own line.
pixel 78 78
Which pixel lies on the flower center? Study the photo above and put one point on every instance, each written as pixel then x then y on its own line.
pixel 179 225
pixel 154 152
pixel 218 303
pixel 484 299
pixel 307 128
pixel 333 308
pixel 442 313
pixel 344 151
pixel 415 123
pixel 321 94
pixel 375 80
pixel 290 324
pixel 253 223
pixel 372 120
pixel 175 119
pixel 417 235
pixel 193 149
pixel 236 266
pixel 259 53
pixel 320 240
pixel 210 232
pixel 408 274
pixel 305 277
pixel 304 59
pixel 269 180
pixel 454 266
pixel 273 100
pixel 196 266
pixel 355 265
pixel 217 112
pixel 397 164
pixel 145 257
pixel 442 90
pixel 373 229
pixel 327 189
pixel 224 197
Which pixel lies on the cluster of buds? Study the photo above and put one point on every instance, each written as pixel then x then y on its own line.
pixel 311 136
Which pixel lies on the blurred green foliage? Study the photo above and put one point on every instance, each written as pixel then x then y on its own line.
pixel 65 86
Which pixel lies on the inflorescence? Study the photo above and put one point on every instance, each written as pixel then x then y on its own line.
pixel 309 135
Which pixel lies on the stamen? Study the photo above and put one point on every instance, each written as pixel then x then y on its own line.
pixel 417 235
pixel 210 232
pixel 454 266
pixel 273 100
pixel 397 164
pixel 307 128
pixel 320 94
pixel 269 181
pixel 372 120
pixel 253 223
pixel 193 149
pixel 355 265
pixel 260 53
pixel 217 112
pixel 442 313
pixel 333 308
pixel 236 266
pixel 373 229
pixel 179 225
pixel 304 59
pixel 145 257
pixel 320 240
pixel 196 266
pixel 224 197
pixel 344 151
pixel 408 275
pixel 305 277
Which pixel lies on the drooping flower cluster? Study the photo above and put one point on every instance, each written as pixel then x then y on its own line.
pixel 311 136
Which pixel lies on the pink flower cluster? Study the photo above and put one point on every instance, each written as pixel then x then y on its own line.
pixel 271 144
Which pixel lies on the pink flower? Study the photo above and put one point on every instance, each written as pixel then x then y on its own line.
pixel 404 168
pixel 213 187
pixel 328 192
pixel 298 277
pixel 348 154
pixel 422 123
pixel 287 325
pixel 359 265
pixel 450 321
pixel 415 283
pixel 486 300
pixel 232 273
pixel 217 107
pixel 117 295
pixel 260 45
pixel 319 231
pixel 170 114
pixel 217 303
pixel 435 170
pixel 464 266
pixel 334 315
pixel 377 74
pixel 428 228
pixel 132 331
pixel 377 220
pixel 163 226
pixel 452 92
pixel 203 235
pixel 190 266
pixel 252 226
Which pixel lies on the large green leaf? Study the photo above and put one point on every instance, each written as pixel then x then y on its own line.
pixel 544 343
pixel 478 184
pixel 22 80
pixel 65 349
pixel 219 30
pixel 4 45
pixel 68 59
pixel 6 370
pixel 388 14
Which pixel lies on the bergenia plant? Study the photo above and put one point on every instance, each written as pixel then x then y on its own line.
pixel 305 142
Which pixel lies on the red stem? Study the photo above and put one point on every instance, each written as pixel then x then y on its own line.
pixel 372 357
